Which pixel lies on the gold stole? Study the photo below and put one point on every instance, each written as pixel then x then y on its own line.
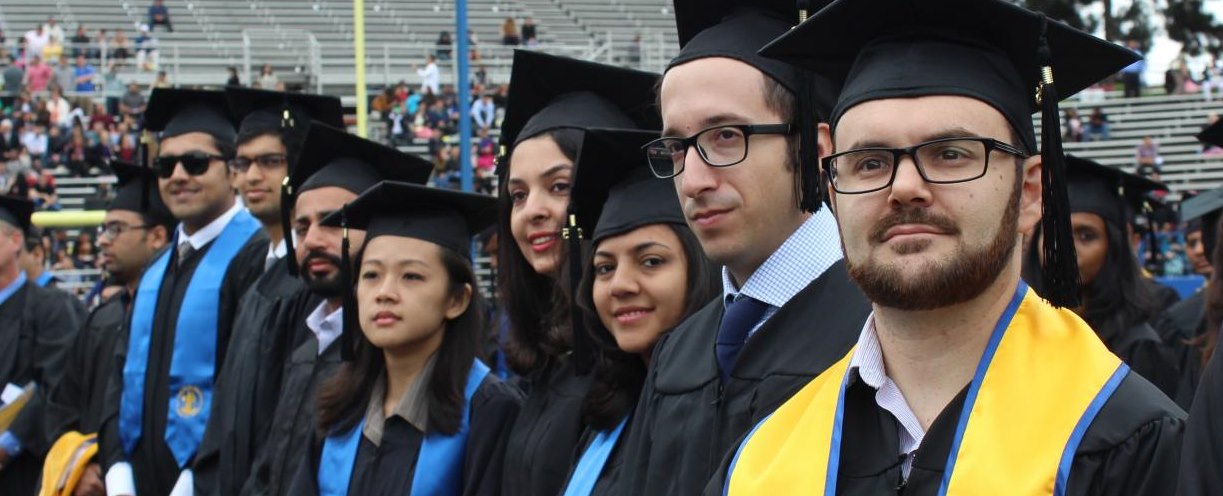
pixel 1041 381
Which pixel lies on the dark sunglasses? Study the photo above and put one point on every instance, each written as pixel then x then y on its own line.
pixel 195 163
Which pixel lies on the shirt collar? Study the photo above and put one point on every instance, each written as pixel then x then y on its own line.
pixel 867 360
pixel 277 251
pixel 209 232
pixel 12 288
pixel 803 257
pixel 327 327
pixel 412 408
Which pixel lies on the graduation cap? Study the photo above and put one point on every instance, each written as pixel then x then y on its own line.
pixel 548 92
pixel 136 191
pixel 1014 59
pixel 1109 192
pixel 262 111
pixel 1204 209
pixel 1213 134
pixel 332 157
pixel 391 208
pixel 175 111
pixel 16 212
pixel 738 29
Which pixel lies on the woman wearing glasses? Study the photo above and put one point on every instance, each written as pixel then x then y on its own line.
pixel 551 100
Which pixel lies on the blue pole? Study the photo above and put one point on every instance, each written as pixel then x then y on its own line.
pixel 463 90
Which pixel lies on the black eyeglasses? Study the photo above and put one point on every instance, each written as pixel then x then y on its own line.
pixel 114 229
pixel 195 163
pixel 940 161
pixel 265 161
pixel 719 146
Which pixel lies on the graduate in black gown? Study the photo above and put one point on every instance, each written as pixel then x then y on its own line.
pixel 272 130
pixel 1115 301
pixel 137 226
pixel 551 100
pixel 333 168
pixel 415 411
pixel 1202 453
pixel 964 380
pixel 740 155
pixel 184 307
pixel 644 273
pixel 37 327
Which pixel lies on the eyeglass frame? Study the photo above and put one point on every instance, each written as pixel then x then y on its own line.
pixel 163 173
pixel 259 160
pixel 114 229
pixel 748 131
pixel 991 145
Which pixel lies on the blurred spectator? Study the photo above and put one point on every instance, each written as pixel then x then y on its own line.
pixel 100 116
pixel 80 42
pixel 127 148
pixel 1097 126
pixel 483 112
pixel 35 40
pixel 34 139
pixel 411 104
pixel 63 261
pixel 86 74
pixel 83 253
pixel 65 73
pixel 1207 148
pixel 159 15
pixel 75 154
pixel 267 79
pixel 60 109
pixel 122 47
pixel 443 45
pixel 1147 158
pixel 146 50
pixel 162 81
pixel 2 38
pixel 101 45
pixel 530 36
pixel 113 88
pixel 54 50
pixel 13 77
pixel 44 191
pixel 509 33
pixel 233 79
pixel 381 103
pixel 634 51
pixel 472 39
pixel 397 132
pixel 1073 126
pixel 54 31
pixel 430 78
pixel 133 102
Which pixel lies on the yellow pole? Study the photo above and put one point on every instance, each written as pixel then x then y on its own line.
pixel 358 24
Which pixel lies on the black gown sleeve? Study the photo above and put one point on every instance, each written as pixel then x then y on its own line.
pixel 56 317
pixel 110 447
pixel 305 479
pixel 494 408
pixel 1201 471
pixel 243 270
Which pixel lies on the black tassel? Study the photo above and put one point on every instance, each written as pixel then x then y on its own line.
pixel 811 191
pixel 142 159
pixel 1060 271
pixel 351 326
pixel 286 204
pixel 583 352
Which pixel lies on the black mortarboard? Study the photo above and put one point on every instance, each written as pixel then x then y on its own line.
pixel 174 111
pixel 1213 134
pixel 1014 59
pixel 16 212
pixel 614 191
pixel 737 29
pixel 332 157
pixel 548 92
pixel 260 111
pixel 1107 191
pixel 136 191
pixel 391 208
pixel 1202 213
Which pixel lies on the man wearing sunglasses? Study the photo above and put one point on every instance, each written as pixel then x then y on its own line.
pixel 743 161
pixel 182 316
pixel 270 136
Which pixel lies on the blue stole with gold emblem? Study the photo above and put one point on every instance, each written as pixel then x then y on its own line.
pixel 193 362
pixel 438 468
pixel 593 461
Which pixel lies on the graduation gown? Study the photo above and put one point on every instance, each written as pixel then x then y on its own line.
pixel 1147 354
pixel 1201 471
pixel 153 465
pixel 248 385
pixel 686 419
pixel 545 435
pixel 76 403
pixel 296 409
pixel 38 327
pixel 609 475
pixel 388 469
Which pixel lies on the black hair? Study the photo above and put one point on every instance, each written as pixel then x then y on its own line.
pixel 537 304
pixel 343 399
pixel 618 376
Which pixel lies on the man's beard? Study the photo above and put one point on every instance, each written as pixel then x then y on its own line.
pixel 960 277
pixel 331 286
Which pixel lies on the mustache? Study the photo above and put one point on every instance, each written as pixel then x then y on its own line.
pixel 321 255
pixel 912 215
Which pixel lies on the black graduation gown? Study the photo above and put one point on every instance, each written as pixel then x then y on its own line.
pixel 76 403
pixel 296 407
pixel 543 438
pixel 1201 470
pixel 37 328
pixel 1146 353
pixel 1184 320
pixel 686 419
pixel 153 464
pixel 248 385
pixel 609 477
pixel 1131 447
pixel 387 470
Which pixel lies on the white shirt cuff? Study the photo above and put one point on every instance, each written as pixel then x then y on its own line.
pixel 185 485
pixel 120 481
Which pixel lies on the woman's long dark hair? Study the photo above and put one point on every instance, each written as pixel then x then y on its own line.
pixel 618 376
pixel 537 306
pixel 1118 298
pixel 344 398
pixel 1206 342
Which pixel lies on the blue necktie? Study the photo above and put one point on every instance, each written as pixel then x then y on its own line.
pixel 741 316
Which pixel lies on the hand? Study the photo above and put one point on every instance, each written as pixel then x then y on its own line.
pixel 91 482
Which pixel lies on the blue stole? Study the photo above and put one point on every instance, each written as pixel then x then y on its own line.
pixel 195 344
pixel 593 460
pixel 44 279
pixel 438 468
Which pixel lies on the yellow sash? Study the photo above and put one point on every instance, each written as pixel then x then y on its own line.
pixel 1041 381
pixel 66 462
